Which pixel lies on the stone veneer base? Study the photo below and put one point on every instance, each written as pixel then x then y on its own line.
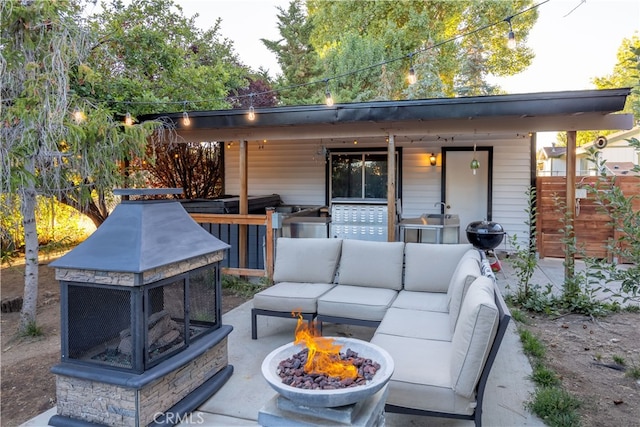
pixel 99 396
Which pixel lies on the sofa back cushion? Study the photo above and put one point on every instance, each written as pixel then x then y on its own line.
pixel 429 266
pixel 474 334
pixel 306 260
pixel 467 271
pixel 375 264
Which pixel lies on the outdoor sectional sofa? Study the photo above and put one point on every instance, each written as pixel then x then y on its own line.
pixel 436 310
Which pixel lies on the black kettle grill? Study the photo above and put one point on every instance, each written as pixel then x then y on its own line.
pixel 485 235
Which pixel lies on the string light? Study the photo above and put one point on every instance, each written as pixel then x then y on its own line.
pixel 327 95
pixel 252 111
pixel 511 37
pixel 186 121
pixel 78 115
pixel 511 43
pixel 412 73
pixel 128 121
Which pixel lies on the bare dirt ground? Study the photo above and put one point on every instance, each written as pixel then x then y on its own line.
pixel 28 388
pixel 579 349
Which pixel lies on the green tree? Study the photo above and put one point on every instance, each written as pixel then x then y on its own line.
pixel 149 58
pixel 49 147
pixel 296 56
pixel 393 31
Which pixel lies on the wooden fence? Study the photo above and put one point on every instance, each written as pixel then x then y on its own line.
pixel 591 226
pixel 246 235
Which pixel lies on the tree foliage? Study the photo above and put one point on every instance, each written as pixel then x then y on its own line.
pixel 360 45
pixel 296 56
pixel 48 147
pixel 150 58
pixel 196 167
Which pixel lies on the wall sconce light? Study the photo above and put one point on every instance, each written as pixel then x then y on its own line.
pixel 433 159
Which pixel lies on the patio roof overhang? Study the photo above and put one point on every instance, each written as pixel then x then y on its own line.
pixel 425 119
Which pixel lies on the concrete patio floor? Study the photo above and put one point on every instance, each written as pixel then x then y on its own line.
pixel 238 402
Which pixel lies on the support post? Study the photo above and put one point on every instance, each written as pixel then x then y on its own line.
pixel 569 256
pixel 391 189
pixel 269 245
pixel 244 204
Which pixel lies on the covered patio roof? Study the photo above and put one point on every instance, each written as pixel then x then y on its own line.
pixel 410 120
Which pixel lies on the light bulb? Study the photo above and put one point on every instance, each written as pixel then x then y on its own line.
pixel 128 120
pixel 511 40
pixel 252 113
pixel 78 115
pixel 412 76
pixel 185 119
pixel 329 98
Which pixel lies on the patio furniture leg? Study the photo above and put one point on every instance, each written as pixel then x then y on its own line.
pixel 254 324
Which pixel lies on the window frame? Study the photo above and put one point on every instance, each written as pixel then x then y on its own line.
pixel 363 152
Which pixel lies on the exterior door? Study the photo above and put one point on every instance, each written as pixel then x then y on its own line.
pixel 467 194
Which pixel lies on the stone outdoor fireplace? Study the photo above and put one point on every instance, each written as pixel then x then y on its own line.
pixel 141 331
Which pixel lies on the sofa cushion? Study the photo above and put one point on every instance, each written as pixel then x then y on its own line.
pixel 473 336
pixel 467 271
pixel 291 296
pixel 421 378
pixel 429 266
pixel 429 325
pixel 356 302
pixel 429 301
pixel 371 264
pixel 307 260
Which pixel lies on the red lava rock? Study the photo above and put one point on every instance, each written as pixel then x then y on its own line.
pixel 291 371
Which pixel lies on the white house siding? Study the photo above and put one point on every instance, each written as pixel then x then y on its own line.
pixel 511 179
pixel 420 182
pixel 296 171
pixel 293 170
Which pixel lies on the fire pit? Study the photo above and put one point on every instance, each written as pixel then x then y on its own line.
pixel 329 398
pixel 362 370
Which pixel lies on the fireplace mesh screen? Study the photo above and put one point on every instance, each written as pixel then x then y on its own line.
pixel 139 327
pixel 97 319
pixel 166 322
pixel 203 300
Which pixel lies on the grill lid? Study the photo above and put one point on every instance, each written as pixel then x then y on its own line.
pixel 485 227
pixel 140 235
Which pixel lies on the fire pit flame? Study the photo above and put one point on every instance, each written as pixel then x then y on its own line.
pixel 324 354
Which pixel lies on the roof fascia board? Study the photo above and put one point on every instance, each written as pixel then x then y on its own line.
pixel 590 121
pixel 519 105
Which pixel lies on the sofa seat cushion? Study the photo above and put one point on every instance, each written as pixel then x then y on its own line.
pixel 429 266
pixel 356 302
pixel 428 301
pixel 422 324
pixel 474 334
pixel 310 260
pixel 371 264
pixel 291 296
pixel 421 377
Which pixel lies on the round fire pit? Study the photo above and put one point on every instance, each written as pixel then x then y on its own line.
pixel 329 398
pixel 485 235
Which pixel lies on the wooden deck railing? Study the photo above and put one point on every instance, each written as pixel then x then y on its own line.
pixel 243 221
